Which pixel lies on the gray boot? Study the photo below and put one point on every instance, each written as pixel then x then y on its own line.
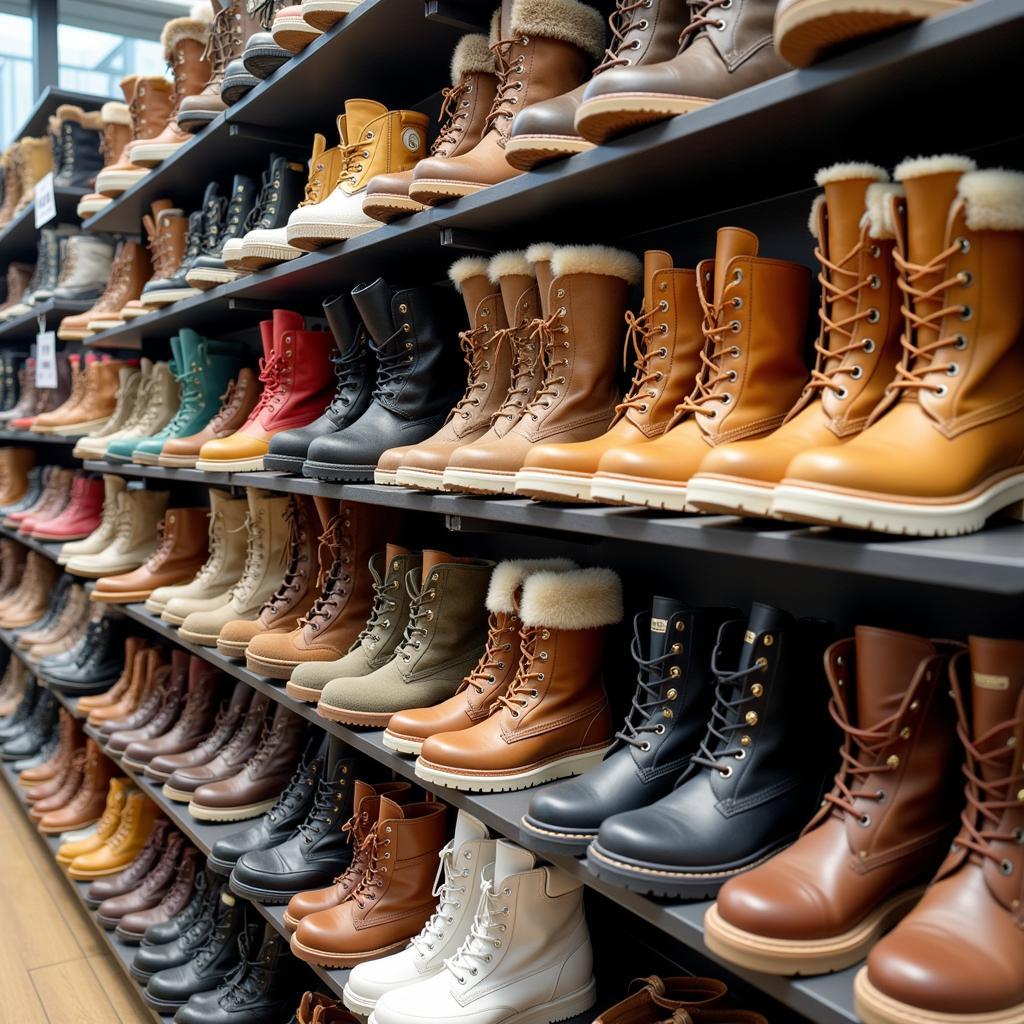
pixel 86 262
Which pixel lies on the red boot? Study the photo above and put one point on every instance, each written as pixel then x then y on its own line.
pixel 81 516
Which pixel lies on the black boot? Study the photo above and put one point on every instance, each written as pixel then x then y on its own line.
pixel 193 928
pixel 37 729
pixel 662 731
pixel 413 333
pixel 101 661
pixel 15 722
pixel 209 270
pixel 757 777
pixel 203 897
pixel 80 157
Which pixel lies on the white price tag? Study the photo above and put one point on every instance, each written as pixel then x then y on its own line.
pixel 46 204
pixel 46 360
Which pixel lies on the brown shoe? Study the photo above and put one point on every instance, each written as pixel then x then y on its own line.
pixel 95 701
pixel 71 738
pixel 150 889
pixel 161 708
pixel 132 926
pixel 85 808
pixel 129 856
pixel 116 121
pixel 137 675
pixel 654 999
pixel 130 271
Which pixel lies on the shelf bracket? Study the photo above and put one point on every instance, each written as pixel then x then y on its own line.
pixel 466 15
pixel 472 241
pixel 271 136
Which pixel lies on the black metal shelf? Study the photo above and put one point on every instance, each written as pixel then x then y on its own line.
pixel 19 240
pixel 26 327
pixel 28 437
pixel 52 97
pixel 51 549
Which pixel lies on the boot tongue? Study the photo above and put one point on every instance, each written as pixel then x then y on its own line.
pixel 432 558
pixel 389 810
pixel 997 688
pixel 359 114
pixel 267 338
pixel 468 829
pixel 654 261
pixel 509 860
pixel 393 551
pixel 286 320
pixel 662 609
pixel 731 242
pixel 374 304
pixel 886 663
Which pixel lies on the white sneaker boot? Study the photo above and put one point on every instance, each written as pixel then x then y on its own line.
pixel 466 862
pixel 527 958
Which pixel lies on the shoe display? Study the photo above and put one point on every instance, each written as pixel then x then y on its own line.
pixel 116 134
pixel 284 187
pixel 208 269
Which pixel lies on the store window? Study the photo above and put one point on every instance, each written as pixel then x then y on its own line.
pixel 95 62
pixel 16 87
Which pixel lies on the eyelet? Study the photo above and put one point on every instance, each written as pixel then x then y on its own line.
pixel 880 796
pixel 660 729
pixel 966 313
pixel 953 369
pixel 868 345
pixel 965 245
pixel 966 278
pixel 720 24
pixel 960 343
pixel 740 755
pixel 737 275
pixel 737 303
pixel 875 251
pixel 732 375
pixel 726 398
pixel 874 281
pixel 736 327
pixel 663 305
pixel 941 391
pixel 726 771
pixel 663 352
pixel 857 372
pixel 735 351
pixel 645 746
pixel 664 328
pixel 1006 867
pixel 873 316
pixel 864 820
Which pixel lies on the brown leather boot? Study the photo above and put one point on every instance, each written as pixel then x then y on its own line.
pixel 130 271
pixel 133 926
pixel 76 604
pixel 33 596
pixel 151 889
pixel 12 565
pixel 655 999
pixel 666 339
pixel 137 670
pixel 554 720
pixel 158 712
pixel 107 699
pixel 726 47
pixel 116 120
pixel 86 806
pixel 14 466
pixel 866 856
pixel 752 371
pixel 542 50
pixel 394 898
pixel 160 256
pixel 69 729
pixel 150 102
pixel 18 277
pixel 579 347
pixel 96 403
pixel 957 955
pixel 57 791
pixel 857 348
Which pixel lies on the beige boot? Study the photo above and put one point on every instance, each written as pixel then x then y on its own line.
pixel 135 536
pixel 92 446
pixel 36 161
pixel 104 534
pixel 156 404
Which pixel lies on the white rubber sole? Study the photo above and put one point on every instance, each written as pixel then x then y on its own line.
pixel 293 34
pixel 360 1006
pixel 105 325
pixel 256 256
pixel 149 154
pixel 167 296
pixel 177 461
pixel 179 796
pixel 113 183
pixel 400 744
pixel 423 479
pixel 386 208
pixel 714 494
pixel 308 235
pixel 624 491
pixel 385 477
pixel 548 486
pixel 478 482
pixel 229 813
pixel 87 209
pixel 254 465
pixel 207 276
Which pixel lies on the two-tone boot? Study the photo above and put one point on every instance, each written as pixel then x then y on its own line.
pixel 116 133
pixel 284 187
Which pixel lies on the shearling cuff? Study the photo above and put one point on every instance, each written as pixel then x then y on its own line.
pixel 115 113
pixel 566 20
pixel 465 268
pixel 509 576
pixel 509 264
pixel 849 171
pixel 878 209
pixel 595 259
pixel 580 599
pixel 179 30
pixel 921 166
pixel 472 54
pixel 540 252
pixel 993 200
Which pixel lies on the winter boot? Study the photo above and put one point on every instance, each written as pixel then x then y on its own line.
pixel 80 157
pixel 116 133
pixel 85 268
pixel 209 270
pixel 128 273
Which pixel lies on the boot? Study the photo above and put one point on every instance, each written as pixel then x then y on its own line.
pixel 578 340
pixel 125 848
pixel 106 531
pixel 32 738
pixel 394 899
pixel 541 51
pixel 492 972
pixel 12 565
pixel 129 271
pixel 144 662
pixel 15 464
pixel 443 640
pixel 133 926
pixel 723 49
pixel 463 120
pixel 80 157
pixel 209 270
pixel 185 42
pixel 35 161
pixel 87 805
pixel 166 238
pixel 752 372
pixel 291 31
pixel 200 911
pixel 94 444
pixel 756 778
pixel 672 649
pixel 81 516
pixel 67 630
pixel 12 183
pixel 352 390
pixel 346 593
pixel 117 797
pixel 164 703
pixel 30 600
pixel 18 277
pixel 158 399
pixel 667 341
pixel 97 403
pixel 116 133
pixel 640 36
pixel 297 592
pixel 86 264
pixel 958 953
pixel 417 379
pixel 489 365
pixel 858 345
pixel 57 413
pixel 97 666
pixel 466 861
pixel 49 263
pixel 262 56
pixel 162 291
pixel 58 482
pixel 392 142
pixel 944 470
pixel 135 536
pixel 151 890
pixel 86 705
pixel 866 856
pixel 655 997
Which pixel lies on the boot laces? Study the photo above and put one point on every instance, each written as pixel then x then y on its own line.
pixel 111 816
pixel 229 403
pixel 350 169
pixel 523 688
pixel 214 738
pixel 218 935
pixel 383 606
pixel 251 978
pixel 448 895
pixel 333 582
pixel 288 801
pixel 212 223
pixel 189 404
pixel 348 372
pixel 264 11
pixel 125 827
pixel 166 866
pixel 544 331
pixel 454 111
pixel 165 542
pixel 316 183
pixel 181 886
pixel 296 546
pixel 416 629
pixel 640 330
pixel 271 376
pixel 321 815
pixel 241 736
pixel 215 536
pixel 477 359
pixel 489 923
pixel 225 34
pixel 622 21
pixel 648 697
pixel 392 364
pixel 701 19
pixel 254 218
pixel 506 66
pixel 358 836
pixel 491 661
pixel 67 149
pixel 193 237
pixel 371 883
pixel 265 747
pixel 119 274
pixel 252 573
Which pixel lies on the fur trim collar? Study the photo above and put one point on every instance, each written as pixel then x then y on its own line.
pixel 566 20
pixel 472 54
pixel 993 200
pixel 812 219
pixel 595 259
pixel 180 30
pixel 878 209
pixel 469 266
pixel 509 576
pixel 540 252
pixel 88 119
pixel 509 264
pixel 920 166
pixel 848 171
pixel 578 599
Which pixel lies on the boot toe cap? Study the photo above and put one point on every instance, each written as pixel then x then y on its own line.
pixel 778 903
pixel 568 805
pixel 237 446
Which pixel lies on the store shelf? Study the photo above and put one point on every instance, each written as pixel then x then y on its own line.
pixel 52 97
pixel 47 548
pixel 24 328
pixel 27 437
pixel 18 241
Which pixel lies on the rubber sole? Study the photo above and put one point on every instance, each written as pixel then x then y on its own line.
pixel 194 121
pixel 229 813
pixel 219 867
pixel 66 334
pixel 574 842
pixel 604 117
pixel 325 14
pixel 207 277
pixel 323 959
pixel 266 897
pixel 128 597
pixel 386 208
pixel 145 458
pixel 95 574
pixel 252 465
pixel 479 482
pixel 270 669
pixel 548 486
pixel 200 639
pixel 166 296
pixel 256 256
pixel 421 479
pixel 44 535
pixel 401 744
pixel 232 649
pixel 291 923
pixel 177 461
pixel 149 154
pixel 263 61
pixel 432 191
pixel 155 775
pixel 338 474
pixel 128 938
pixel 85 210
pixel 306 693
pixel 360 1007
pixel 179 796
pixel 171 619
pixel 293 34
pixel 235 87
pixel 524 152
pixel 309 235
pixel 284 463
pixel 105 325
pixel 348 717
pixel 113 183
pixel 385 477
pixel 629 491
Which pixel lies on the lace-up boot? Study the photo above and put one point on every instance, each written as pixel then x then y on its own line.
pixel 208 269
pixel 126 412
pixel 117 795
pixel 285 186
pixel 105 531
pixel 172 943
pixel 80 158
pixel 133 926
pixel 97 400
pixel 118 692
pixel 150 890
pixel 151 104
pixel 29 602
pixel 129 272
pixel 135 538
pixel 394 899
pixel 115 134
pixel 756 777
pixel 151 687
pixel 527 953
pixel 127 855
pixel 18 277
pixel 15 464
pixel 12 183
pixel 127 693
pixel 262 56
pixel 32 738
pixel 866 856
pixel 751 373
pixel 166 228
pixel 52 498
pixel 35 161
pixel 158 399
pixel 80 517
pixel 653 997
pixel 85 268
pixel 540 53
pixel 165 701
pixel 201 224
pixel 958 952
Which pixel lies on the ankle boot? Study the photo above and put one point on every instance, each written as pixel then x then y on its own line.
pixel 93 445
pixel 752 372
pixel 81 516
pixel 958 952
pixel 352 390
pixel 96 403
pixel 132 646
pixel 30 600
pixel 117 797
pixel 135 536
pixel 539 54
pixel 463 120
pixel 87 805
pixel 129 856
pixel 57 481
pixel 80 157
pixel 864 859
pixel 85 268
pixel 133 926
pixel 757 776
pixel 489 366
pixel 285 187
pixel 722 50
pixel 656 999
pixel 130 271
pixel 106 529
pixel 158 399
pixel 332 624
pixel 946 469
pixel 63 790
pixel 70 738
pixel 115 134
pixel 209 270
pixel 667 341
pixel 578 341
pixel 150 103
pixel 164 703
pixel 410 331
pixel 295 375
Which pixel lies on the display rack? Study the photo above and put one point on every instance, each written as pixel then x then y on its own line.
pixel 18 239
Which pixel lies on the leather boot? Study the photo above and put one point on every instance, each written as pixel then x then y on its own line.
pixel 296 378
pixel 186 50
pixel 55 499
pixel 168 689
pixel 135 539
pixel 157 402
pixel 80 517
pixel 541 51
pixel 295 596
pixel 69 628
pixel 393 900
pixel 18 277
pixel 554 721
pixel 262 56
pixel 751 373
pixel 26 638
pixel 352 389
pixel 201 224
pixel 655 999
pixel 209 269
pixel 128 854
pixel 133 926
pixel 417 379
pixel 286 185
pixel 200 909
pixel 666 340
pixel 944 469
pixel 72 605
pixel 129 271
pixel 86 705
pixel 86 806
pixel 756 778
pixel 12 183
pixel 255 788
pixel 316 1007
pixel 166 230
pixel 578 341
pixel 62 789
pixel 141 661
pixel 463 120
pixel 14 466
pixel 672 649
pixel 97 401
pixel 150 103
pixel 12 565
pixel 725 47
pixel 94 444
pixel 70 738
pixel 957 954
pixel 117 796
pixel 443 640
pixel 116 129
pixel 96 665
pixel 36 732
pixel 150 890
pixel 35 161
pixel 30 601
pixel 105 531
pixel 543 908
pixel 489 365
pixel 866 856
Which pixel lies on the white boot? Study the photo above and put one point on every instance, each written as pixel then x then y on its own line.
pixel 527 958
pixel 465 863
pixel 86 263
pixel 104 534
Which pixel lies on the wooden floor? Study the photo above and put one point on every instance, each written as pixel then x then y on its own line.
pixel 53 967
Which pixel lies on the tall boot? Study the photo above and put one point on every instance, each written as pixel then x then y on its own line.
pixel 117 692
pixel 35 161
pixel 14 466
pixel 107 528
pixel 127 713
pixel 116 134
pixel 158 399
pixel 80 156
pixel 12 183
pixel 166 230
pixel 209 270
pixel 135 536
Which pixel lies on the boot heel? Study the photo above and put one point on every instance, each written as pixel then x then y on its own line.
pixel 1014 511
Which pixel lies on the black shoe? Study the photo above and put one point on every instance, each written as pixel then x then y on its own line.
pixel 37 730
pixel 203 897
pixel 209 269
pixel 165 290
pixel 100 662
pixel 48 749
pixel 262 56
pixel 201 915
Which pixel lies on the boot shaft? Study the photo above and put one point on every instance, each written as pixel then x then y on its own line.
pixel 279 746
pixel 86 263
pixel 466 104
pixel 169 242
pixel 117 131
pixel 151 106
pixel 376 140
pixel 185 42
pixel 79 147
pixel 391 601
pixel 267 537
pixel 183 542
pixel 354 370
pixel 283 188
pixel 297 587
pixel 226 538
pixel 325 166
pixel 139 514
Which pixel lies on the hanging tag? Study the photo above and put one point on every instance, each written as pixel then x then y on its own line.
pixel 46 204
pixel 46 359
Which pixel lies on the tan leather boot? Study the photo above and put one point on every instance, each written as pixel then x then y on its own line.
pixel 129 272
pixel 94 444
pixel 135 536
pixel 86 807
pixel 579 347
pixel 74 607
pixel 542 50
pixel 159 255
pixel 42 423
pixel 666 340
pixel 18 277
pixel 14 466
pixel 942 451
pixel 97 402
pixel 116 120
pixel 105 532
pixel 655 999
pixel 463 119
pixel 857 348
pixel 35 161
pixel 752 371
pixel 117 796
pixel 144 664
pixel 12 183
pixel 489 375
pixel 150 102
pixel 170 238
pixel 69 731
pixel 137 820
pixel 554 721
pixel 116 693
pixel 28 604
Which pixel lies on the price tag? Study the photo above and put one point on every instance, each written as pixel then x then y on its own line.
pixel 46 359
pixel 46 204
